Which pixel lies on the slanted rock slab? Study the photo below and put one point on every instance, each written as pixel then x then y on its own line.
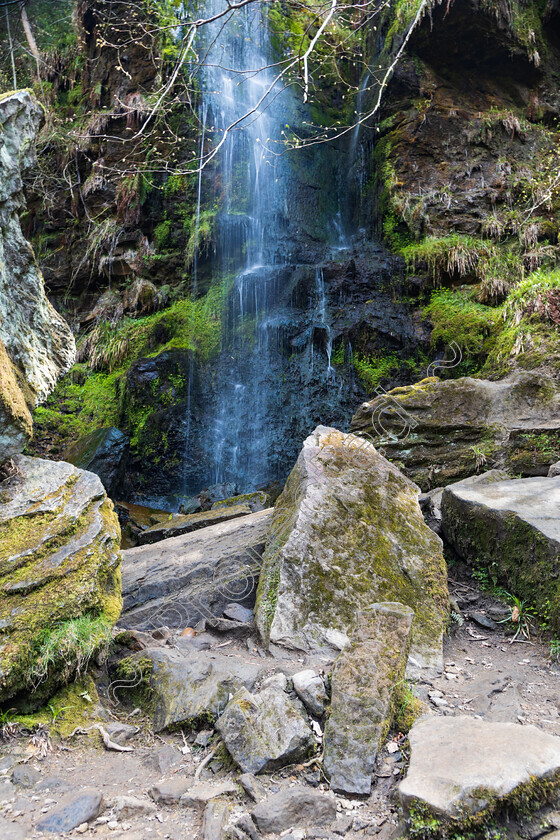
pixel 437 430
pixel 182 579
pixel 348 532
pixel 294 807
pixel 363 679
pixel 266 730
pixel 462 766
pixel 74 809
pixel 191 522
pixel 59 564
pixel 514 527
pixel 169 790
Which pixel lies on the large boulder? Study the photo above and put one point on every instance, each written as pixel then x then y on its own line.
pixel 37 339
pixel 363 680
pixel 59 576
pixel 463 768
pixel 348 532
pixel 439 432
pixel 512 527
pixel 183 579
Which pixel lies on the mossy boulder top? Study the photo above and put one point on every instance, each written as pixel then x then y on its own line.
pixel 348 532
pixel 59 575
pixel 439 432
pixel 462 768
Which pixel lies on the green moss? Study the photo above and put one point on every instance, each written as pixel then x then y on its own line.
pixel 456 317
pixel 12 400
pixel 373 368
pixel 132 682
pixel 73 706
pixel 57 610
pixel 490 820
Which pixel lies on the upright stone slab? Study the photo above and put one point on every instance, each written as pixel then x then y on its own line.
pixel 363 680
pixel 512 527
pixel 348 532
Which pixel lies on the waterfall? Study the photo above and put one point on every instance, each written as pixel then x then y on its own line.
pixel 250 189
pixel 276 217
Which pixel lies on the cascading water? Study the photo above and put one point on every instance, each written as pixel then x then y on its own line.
pixel 276 220
pixel 251 189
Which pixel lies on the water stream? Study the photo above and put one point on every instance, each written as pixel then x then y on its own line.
pixel 274 378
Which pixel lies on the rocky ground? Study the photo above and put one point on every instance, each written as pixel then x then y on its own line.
pixel 164 787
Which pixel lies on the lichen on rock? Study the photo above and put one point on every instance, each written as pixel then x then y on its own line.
pixel 60 586
pixel 347 532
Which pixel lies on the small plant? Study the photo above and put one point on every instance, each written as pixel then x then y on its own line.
pixel 8 725
pixel 520 618
pixel 555 650
pixel 56 713
pixel 480 458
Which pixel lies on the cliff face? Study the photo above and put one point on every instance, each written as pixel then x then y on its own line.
pixel 36 344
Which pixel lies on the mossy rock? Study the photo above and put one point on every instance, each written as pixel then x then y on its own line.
pixel 439 432
pixel 347 532
pixel 60 584
pixel 512 528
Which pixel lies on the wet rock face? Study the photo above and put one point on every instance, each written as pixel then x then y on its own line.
pixel 100 452
pixel 512 527
pixel 348 532
pixel 59 565
pixel 438 432
pixel 173 408
pixel 37 339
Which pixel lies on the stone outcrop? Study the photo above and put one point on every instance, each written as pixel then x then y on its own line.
pixel 347 532
pixel 59 576
pixel 461 767
pixel 38 341
pixel 513 527
pixel 439 432
pixel 363 680
pixel 265 730
pixel 184 686
pixel 183 579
